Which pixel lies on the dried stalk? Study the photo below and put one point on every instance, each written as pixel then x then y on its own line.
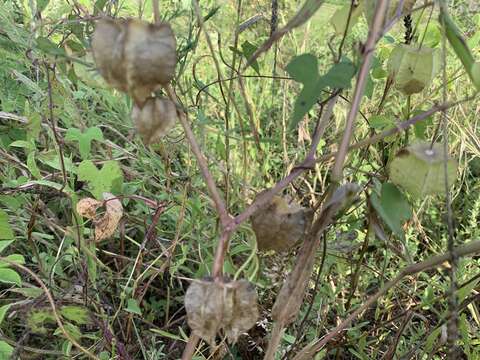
pixel 289 299
pixel 373 37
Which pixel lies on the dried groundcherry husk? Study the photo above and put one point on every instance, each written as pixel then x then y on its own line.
pixel 221 305
pixel 154 119
pixel 135 56
pixel 280 224
pixel 244 310
pixel 204 305
pixel 107 45
pixel 150 56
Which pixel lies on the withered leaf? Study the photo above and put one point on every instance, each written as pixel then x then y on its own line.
pixel 106 224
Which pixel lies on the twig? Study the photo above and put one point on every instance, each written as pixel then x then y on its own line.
pixel 54 129
pixel 359 88
pixel 156 11
pixel 306 12
pixel 452 325
pixel 307 163
pixel 212 187
pixel 190 347
pixel 310 350
pixel 400 127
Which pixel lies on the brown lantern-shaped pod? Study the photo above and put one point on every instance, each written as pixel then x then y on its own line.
pixel 222 305
pixel 135 56
pixel 154 119
pixel 280 224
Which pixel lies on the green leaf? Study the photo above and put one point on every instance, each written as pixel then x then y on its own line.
pixel 77 314
pixel 108 179
pixel 32 292
pixel 49 47
pixel 16 258
pixel 392 207
pixel 98 7
pixel 380 122
pixel 6 232
pixel 304 69
pixel 32 165
pixel 340 75
pixel 5 243
pixel 458 43
pixel 420 127
pixel 5 350
pixel 3 312
pixel 340 18
pixel 71 329
pixel 10 276
pixel 84 139
pixel 41 5
pixel 247 51
pixel 132 307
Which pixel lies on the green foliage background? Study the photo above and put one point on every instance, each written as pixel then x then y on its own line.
pixel 133 288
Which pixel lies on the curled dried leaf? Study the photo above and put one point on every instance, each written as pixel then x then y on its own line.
pixel 88 207
pixel 154 119
pixel 134 56
pixel 213 306
pixel 106 224
pixel 280 224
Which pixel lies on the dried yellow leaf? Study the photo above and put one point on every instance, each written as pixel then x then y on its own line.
pixel 88 207
pixel 106 224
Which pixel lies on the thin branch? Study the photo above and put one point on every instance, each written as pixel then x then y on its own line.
pixel 202 163
pixel 306 164
pixel 309 351
pixel 302 16
pixel 190 348
pixel 400 127
pixel 359 88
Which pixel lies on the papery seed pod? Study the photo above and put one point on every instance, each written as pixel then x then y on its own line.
pixel 279 225
pixel 150 57
pixel 106 224
pixel 420 169
pixel 154 119
pixel 204 305
pixel 225 305
pixel 107 45
pixel 413 68
pixel 135 56
pixel 244 311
